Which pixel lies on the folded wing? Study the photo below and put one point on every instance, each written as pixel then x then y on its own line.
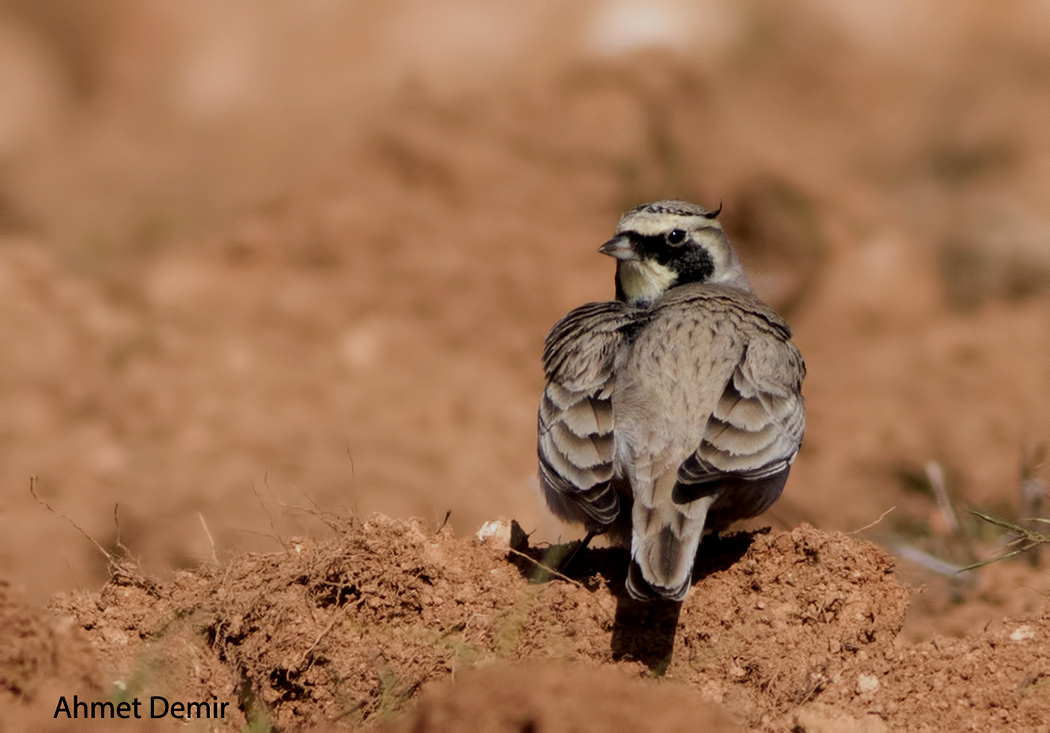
pixel 575 442
pixel 755 430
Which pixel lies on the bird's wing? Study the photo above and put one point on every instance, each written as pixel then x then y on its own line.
pixel 575 442
pixel 755 429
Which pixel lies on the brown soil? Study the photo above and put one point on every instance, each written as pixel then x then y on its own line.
pixel 264 267
pixel 560 697
pixel 42 657
pixel 395 623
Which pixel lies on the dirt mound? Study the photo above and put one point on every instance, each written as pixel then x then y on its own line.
pixel 349 630
pixel 395 623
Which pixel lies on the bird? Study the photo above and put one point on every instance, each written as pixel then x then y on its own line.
pixel 675 408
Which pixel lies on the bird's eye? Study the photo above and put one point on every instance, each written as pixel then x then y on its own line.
pixel 676 236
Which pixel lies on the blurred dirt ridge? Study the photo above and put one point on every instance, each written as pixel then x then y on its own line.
pixel 551 696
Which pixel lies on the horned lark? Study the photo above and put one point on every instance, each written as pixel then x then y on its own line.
pixel 675 407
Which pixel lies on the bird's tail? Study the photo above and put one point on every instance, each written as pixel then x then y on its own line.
pixel 663 547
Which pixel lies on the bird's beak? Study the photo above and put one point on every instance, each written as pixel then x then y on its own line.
pixel 619 247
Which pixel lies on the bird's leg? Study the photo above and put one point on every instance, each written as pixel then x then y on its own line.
pixel 566 564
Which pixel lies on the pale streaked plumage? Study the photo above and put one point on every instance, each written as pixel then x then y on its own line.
pixel 673 408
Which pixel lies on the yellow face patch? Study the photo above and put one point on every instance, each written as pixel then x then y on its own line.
pixel 645 281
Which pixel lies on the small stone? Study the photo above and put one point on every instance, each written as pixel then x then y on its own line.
pixel 503 534
pixel 1022 633
pixel 495 532
pixel 867 683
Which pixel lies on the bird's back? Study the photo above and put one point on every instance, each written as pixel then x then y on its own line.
pixel 671 385
pixel 671 376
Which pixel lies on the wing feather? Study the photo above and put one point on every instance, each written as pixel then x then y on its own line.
pixel 575 444
pixel 756 428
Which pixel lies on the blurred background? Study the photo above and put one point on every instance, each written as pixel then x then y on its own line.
pixel 261 257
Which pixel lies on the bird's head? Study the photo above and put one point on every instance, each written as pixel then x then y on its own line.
pixel 665 244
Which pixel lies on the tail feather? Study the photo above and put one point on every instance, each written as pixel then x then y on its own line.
pixel 663 548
